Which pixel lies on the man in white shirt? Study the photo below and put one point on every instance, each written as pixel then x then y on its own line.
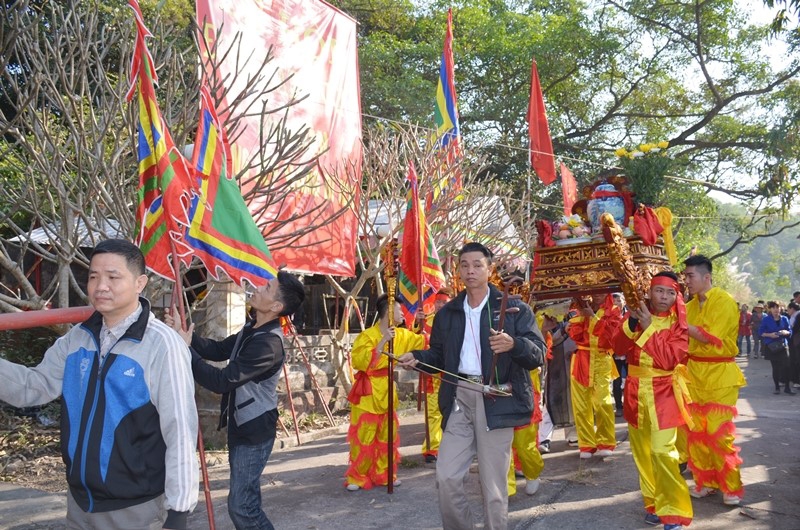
pixel 465 339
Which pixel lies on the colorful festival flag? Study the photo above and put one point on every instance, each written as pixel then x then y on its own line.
pixel 164 177
pixel 569 189
pixel 447 138
pixel 540 151
pixel 420 267
pixel 221 229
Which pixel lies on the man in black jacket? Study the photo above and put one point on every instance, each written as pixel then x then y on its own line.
pixel 248 384
pixel 464 339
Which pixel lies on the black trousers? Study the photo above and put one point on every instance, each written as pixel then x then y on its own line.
pixel 780 372
pixel 794 364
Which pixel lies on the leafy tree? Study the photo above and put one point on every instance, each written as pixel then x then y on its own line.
pixel 614 74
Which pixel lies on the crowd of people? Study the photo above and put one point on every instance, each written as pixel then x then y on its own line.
pixel 773 335
pixel 495 372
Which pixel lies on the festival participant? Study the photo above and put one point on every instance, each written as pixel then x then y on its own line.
pixel 591 369
pixel 129 422
pixel 369 402
pixel 248 384
pixel 431 384
pixel 524 450
pixel 775 331
pixel 655 340
pixel 465 341
pixel 619 362
pixel 714 385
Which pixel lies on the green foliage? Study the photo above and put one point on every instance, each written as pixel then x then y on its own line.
pixel 26 346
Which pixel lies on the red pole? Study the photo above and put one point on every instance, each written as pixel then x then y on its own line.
pixel 291 402
pixel 201 448
pixel 44 317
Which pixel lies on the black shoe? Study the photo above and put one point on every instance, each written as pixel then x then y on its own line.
pixel 618 413
pixel 652 519
pixel 682 468
pixel 777 391
pixel 430 459
pixel 544 447
pixel 789 391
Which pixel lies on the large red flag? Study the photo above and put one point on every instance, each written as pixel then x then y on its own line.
pixel 569 189
pixel 540 152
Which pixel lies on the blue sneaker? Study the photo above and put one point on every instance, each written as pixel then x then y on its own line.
pixel 652 519
pixel 672 527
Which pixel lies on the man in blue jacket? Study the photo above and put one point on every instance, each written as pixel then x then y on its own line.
pixel 464 340
pixel 128 417
pixel 248 384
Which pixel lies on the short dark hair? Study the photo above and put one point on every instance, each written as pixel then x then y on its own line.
pixel 292 293
pixel 698 260
pixel 669 274
pixel 794 294
pixel 134 258
pixel 474 246
pixel 793 305
pixel 382 304
pixel 772 303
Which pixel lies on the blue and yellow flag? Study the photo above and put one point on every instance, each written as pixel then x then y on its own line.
pixel 447 138
pixel 222 230
pixel 164 176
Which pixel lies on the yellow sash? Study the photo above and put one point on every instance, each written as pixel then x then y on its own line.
pixel 679 378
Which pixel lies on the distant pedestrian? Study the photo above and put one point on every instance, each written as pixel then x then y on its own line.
pixel 794 343
pixel 775 333
pixel 755 323
pixel 744 330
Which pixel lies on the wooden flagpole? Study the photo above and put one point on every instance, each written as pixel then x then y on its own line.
pixel 390 275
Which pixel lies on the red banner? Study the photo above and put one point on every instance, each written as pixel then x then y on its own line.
pixel 569 188
pixel 315 55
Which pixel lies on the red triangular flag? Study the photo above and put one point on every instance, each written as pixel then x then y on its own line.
pixel 540 152
pixel 569 188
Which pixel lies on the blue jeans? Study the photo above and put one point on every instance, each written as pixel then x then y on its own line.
pixel 244 498
pixel 739 344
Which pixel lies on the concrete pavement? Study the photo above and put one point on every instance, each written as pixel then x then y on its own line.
pixel 303 486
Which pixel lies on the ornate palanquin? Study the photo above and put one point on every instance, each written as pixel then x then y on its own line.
pixel 586 268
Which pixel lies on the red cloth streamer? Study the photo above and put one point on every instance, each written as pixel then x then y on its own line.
pixel 544 232
pixel 646 224
pixel 569 189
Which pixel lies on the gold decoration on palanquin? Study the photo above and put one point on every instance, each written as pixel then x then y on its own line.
pixel 632 282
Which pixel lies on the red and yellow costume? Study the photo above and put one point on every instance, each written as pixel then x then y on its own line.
pixel 656 398
pixel 431 383
pixel 714 386
pixel 369 405
pixel 592 370
pixel 525 445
